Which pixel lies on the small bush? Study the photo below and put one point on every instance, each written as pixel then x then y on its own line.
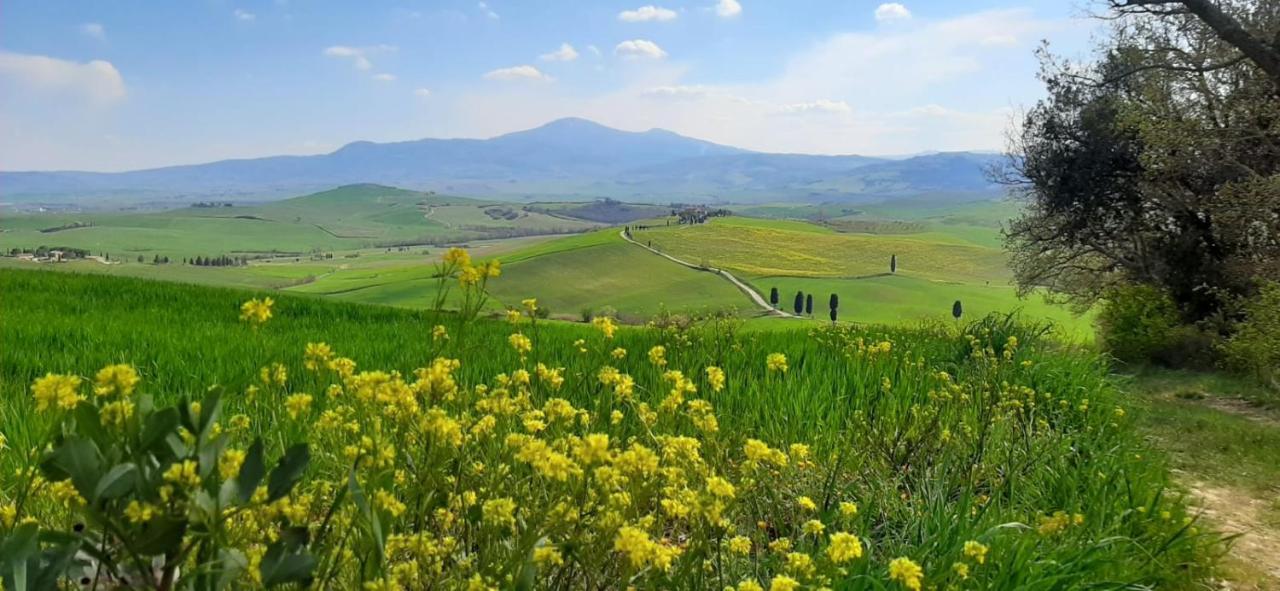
pixel 1137 322
pixel 1255 346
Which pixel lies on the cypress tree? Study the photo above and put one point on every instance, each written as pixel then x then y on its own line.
pixel 773 297
pixel 808 304
pixel 893 263
pixel 799 304
pixel 957 310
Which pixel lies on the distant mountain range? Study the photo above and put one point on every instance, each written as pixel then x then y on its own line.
pixel 565 159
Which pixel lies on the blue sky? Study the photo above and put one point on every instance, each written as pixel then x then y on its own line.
pixel 99 85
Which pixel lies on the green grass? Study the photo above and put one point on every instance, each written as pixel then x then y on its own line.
pixel 350 217
pixel 902 299
pixel 599 270
pixel 931 461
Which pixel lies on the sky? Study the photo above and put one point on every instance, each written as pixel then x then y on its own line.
pixel 127 84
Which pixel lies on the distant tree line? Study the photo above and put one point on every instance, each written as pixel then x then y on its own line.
pixel 211 204
pixel 218 261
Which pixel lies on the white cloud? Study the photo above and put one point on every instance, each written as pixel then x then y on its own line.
pixel 524 72
pixel 639 48
pixel 358 55
pixel 384 77
pixel 593 49
pixel 728 8
pixel 94 30
pixel 97 80
pixel 818 106
pixel 999 40
pixel 892 11
pixel 647 13
pixel 566 53
pixel 243 15
pixel 422 92
pixel 931 86
pixel 484 8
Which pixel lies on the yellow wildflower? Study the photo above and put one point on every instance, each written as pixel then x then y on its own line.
pixel 844 547
pixel 606 325
pixel 783 583
pixel 316 355
pixel 138 513
pixel 907 572
pixel 62 391
pixel 256 311
pixel 297 404
pixel 976 550
pixel 658 355
pixel 119 379
pixel 547 556
pixel 715 378
pixel 520 343
pixel 185 473
pixel 776 362
pixel 740 545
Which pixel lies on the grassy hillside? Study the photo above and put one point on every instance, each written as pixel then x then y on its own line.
pixel 983 446
pixel 350 217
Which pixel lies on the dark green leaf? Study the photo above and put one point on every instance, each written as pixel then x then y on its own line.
pixel 288 471
pixel 280 565
pixel 116 483
pixel 251 472
pixel 160 535
pixel 77 459
pixel 158 424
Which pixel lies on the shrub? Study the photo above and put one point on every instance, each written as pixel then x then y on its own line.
pixel 1136 322
pixel 1255 346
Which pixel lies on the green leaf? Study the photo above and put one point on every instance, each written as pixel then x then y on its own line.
pixel 117 482
pixel 210 408
pixel 375 524
pixel 77 459
pixel 161 534
pixel 89 422
pixel 158 425
pixel 251 472
pixel 280 565
pixel 288 471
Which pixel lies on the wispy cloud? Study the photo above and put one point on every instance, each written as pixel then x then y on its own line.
pixel 891 12
pixel 97 80
pixel 485 10
pixel 639 48
pixel 647 13
pixel 244 15
pixel 422 92
pixel 94 31
pixel 818 106
pixel 728 8
pixel 358 56
pixel 565 53
pixel 384 77
pixel 523 72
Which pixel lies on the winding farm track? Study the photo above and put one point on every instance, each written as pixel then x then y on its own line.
pixel 743 287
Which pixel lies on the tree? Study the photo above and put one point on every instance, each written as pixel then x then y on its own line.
pixel 773 297
pixel 834 304
pixel 1157 164
pixel 140 259
pixel 957 310
pixel 799 303
pixel 808 304
pixel 893 263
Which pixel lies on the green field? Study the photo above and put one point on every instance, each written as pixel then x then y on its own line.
pixel 346 218
pixel 324 245
pixel 934 445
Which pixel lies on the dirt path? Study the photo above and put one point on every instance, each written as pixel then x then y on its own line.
pixel 755 296
pixel 1255 553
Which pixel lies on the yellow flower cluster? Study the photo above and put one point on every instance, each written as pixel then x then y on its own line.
pixel 256 311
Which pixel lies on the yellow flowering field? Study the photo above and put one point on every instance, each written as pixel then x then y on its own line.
pixel 181 437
